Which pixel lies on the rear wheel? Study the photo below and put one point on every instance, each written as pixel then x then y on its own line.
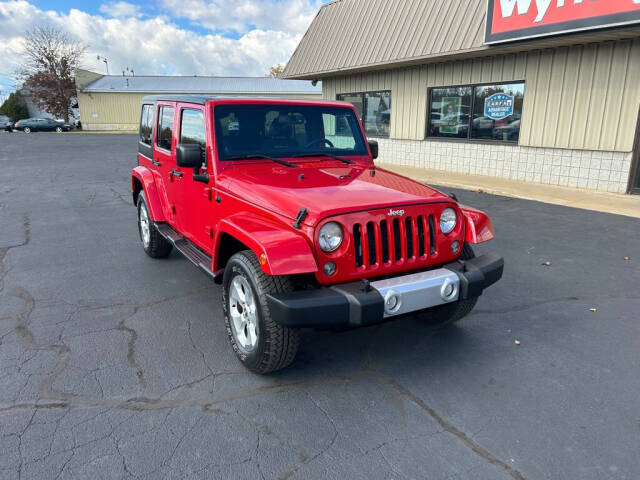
pixel 58 129
pixel 260 343
pixel 451 312
pixel 154 244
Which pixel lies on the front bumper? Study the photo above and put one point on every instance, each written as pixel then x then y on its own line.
pixel 362 303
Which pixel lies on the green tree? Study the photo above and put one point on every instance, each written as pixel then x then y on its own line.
pixel 15 107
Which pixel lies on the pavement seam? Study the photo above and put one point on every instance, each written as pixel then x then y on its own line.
pixel 452 429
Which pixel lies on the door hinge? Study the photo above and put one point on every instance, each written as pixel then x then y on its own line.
pixel 207 193
pixel 209 231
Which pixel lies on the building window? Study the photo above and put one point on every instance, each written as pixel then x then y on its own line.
pixel 479 112
pixel 146 124
pixel 165 127
pixel 374 109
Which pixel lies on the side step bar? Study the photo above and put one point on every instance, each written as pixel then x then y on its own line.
pixel 194 254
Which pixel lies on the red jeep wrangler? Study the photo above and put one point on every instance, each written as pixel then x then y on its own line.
pixel 281 203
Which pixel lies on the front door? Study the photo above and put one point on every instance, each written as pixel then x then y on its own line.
pixel 634 183
pixel 164 160
pixel 193 198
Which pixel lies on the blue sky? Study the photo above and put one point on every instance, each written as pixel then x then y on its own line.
pixel 184 37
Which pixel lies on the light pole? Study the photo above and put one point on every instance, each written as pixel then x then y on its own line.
pixel 106 62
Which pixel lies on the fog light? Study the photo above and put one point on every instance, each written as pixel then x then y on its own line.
pixel 392 302
pixel 455 246
pixel 329 268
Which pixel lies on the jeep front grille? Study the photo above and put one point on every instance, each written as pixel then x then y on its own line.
pixel 393 241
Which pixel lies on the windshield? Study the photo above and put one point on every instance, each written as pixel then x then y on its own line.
pixel 286 131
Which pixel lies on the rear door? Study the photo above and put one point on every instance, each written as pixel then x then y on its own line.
pixel 194 198
pixel 164 160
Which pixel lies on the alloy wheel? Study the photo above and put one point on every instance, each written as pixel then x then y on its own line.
pixel 244 315
pixel 145 227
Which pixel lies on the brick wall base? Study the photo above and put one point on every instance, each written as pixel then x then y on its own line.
pixel 593 170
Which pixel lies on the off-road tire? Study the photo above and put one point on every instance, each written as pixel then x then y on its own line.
pixel 158 246
pixel 451 312
pixel 277 345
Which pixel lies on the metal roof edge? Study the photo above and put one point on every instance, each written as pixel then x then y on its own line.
pixel 598 36
pixel 191 92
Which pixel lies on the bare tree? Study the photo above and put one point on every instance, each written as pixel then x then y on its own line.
pixel 50 59
pixel 276 71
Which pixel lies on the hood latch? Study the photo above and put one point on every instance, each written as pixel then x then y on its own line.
pixel 302 214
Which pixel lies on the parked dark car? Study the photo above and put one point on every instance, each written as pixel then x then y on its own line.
pixel 5 123
pixel 41 125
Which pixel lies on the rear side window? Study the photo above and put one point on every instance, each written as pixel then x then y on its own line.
pixel 146 124
pixel 192 127
pixel 165 127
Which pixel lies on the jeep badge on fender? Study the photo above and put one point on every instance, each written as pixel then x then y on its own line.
pixel 290 215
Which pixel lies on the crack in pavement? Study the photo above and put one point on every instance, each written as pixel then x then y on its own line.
pixel 520 308
pixel 451 429
pixel 305 461
pixel 26 225
pixel 131 349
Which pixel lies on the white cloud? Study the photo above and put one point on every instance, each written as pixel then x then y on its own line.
pixel 156 45
pixel 220 15
pixel 120 9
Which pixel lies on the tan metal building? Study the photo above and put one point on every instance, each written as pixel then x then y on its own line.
pixel 499 87
pixel 112 102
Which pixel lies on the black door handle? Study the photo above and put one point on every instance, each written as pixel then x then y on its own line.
pixel 176 173
pixel 157 164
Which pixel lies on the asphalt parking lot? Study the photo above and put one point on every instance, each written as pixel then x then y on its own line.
pixel 114 365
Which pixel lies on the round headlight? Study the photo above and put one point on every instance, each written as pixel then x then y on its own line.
pixel 448 220
pixel 330 237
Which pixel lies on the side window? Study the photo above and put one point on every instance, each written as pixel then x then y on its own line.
pixel 165 127
pixel 192 127
pixel 146 124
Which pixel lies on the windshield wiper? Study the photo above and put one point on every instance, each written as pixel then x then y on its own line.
pixel 324 154
pixel 266 157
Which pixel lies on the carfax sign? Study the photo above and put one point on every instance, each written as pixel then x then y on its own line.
pixel 509 20
pixel 498 106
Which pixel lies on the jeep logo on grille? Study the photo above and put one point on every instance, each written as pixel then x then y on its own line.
pixel 395 213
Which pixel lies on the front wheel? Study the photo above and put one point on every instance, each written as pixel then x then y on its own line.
pixel 154 244
pixel 261 344
pixel 27 130
pixel 451 312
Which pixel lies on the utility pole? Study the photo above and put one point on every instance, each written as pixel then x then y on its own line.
pixel 106 62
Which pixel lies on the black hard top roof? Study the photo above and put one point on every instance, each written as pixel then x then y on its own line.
pixel 199 99
pixel 202 99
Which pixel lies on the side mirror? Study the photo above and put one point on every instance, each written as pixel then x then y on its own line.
pixel 373 146
pixel 189 155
